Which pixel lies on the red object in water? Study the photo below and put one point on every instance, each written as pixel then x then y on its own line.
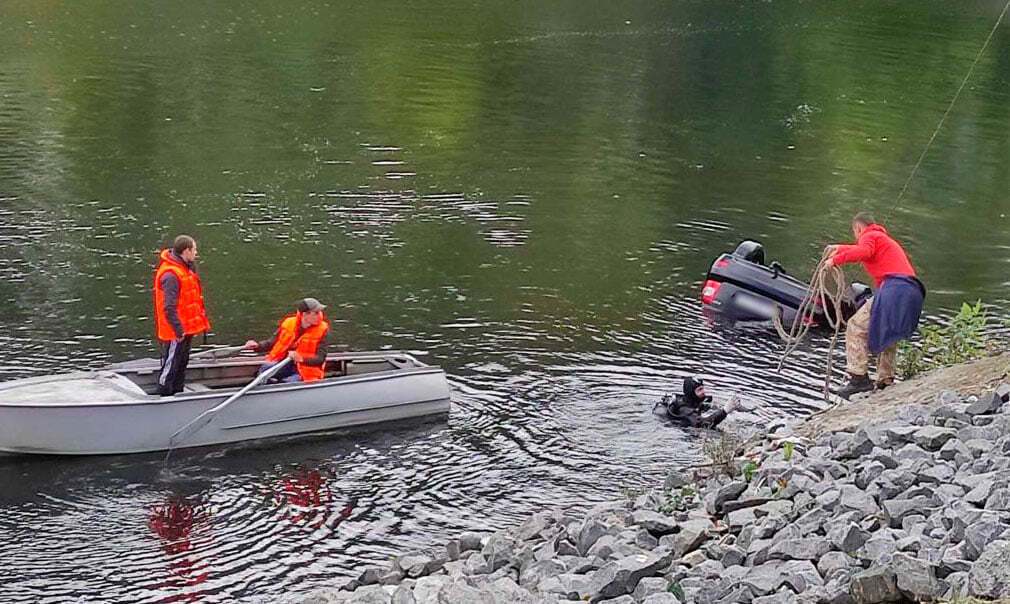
pixel 308 496
pixel 709 291
pixel 174 522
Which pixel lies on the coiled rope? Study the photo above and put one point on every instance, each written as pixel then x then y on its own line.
pixel 827 290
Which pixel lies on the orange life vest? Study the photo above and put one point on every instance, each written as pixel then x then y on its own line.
pixel 192 313
pixel 306 345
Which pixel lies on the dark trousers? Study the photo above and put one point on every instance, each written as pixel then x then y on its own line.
pixel 174 359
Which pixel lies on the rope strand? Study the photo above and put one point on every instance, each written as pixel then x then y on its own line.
pixel 949 107
pixel 827 289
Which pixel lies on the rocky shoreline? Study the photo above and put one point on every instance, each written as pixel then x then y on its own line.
pixel 910 507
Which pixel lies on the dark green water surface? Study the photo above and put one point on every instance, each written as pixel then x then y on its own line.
pixel 531 192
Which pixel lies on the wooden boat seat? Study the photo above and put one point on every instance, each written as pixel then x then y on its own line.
pixel 196 387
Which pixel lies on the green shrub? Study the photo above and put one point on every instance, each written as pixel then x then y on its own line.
pixel 963 339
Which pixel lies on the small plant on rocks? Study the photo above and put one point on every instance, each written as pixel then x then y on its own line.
pixel 676 590
pixel 678 500
pixel 748 469
pixel 630 494
pixel 722 451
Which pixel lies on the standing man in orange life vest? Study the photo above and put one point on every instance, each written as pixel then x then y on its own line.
pixel 302 337
pixel 178 310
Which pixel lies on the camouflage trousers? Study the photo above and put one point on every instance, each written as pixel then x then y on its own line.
pixel 857 347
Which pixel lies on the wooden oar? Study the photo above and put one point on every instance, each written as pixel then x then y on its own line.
pixel 204 418
pixel 216 352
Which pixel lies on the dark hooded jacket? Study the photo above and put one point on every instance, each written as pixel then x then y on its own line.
pixel 691 410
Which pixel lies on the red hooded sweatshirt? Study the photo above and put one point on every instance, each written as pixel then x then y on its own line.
pixel 880 254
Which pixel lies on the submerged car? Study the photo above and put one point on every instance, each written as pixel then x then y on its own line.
pixel 741 287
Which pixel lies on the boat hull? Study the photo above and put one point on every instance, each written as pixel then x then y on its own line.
pixel 146 424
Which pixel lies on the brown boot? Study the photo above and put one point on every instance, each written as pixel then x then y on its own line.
pixel 857 384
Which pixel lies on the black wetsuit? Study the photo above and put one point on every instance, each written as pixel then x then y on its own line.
pixel 692 410
pixel 700 414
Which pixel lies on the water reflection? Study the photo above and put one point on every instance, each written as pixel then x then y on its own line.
pixel 182 524
pixel 303 497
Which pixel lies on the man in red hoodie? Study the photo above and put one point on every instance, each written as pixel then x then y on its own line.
pixel 890 316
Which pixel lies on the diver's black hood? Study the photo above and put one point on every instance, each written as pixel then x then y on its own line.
pixel 690 385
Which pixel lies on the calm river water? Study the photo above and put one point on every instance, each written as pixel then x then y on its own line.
pixel 531 192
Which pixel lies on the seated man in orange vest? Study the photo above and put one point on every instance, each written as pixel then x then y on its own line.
pixel 179 312
pixel 302 337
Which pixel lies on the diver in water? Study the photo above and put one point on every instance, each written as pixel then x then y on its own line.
pixel 694 408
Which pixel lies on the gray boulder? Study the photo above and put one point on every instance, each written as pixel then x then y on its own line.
pixel 691 535
pixel 727 492
pixel 978 447
pixel 988 402
pixel 604 547
pixel 859 501
pixel 590 531
pixel 534 526
pixel 979 535
pixel 733 556
pixel 856 446
pixel 878 548
pixel 801 575
pixel 990 576
pixel 954 560
pixel 498 551
pixel 832 563
pixel 534 573
pixel 932 438
pixel 912 452
pixel 654 522
pixel 783 597
pixel 897 509
pixel 955 450
pixel 764 579
pixel 469 542
pixel 648 586
pixel 426 589
pixel 622 577
pixel 566 584
pixel 799 549
pixel 999 499
pixel 403 595
pixel 848 537
pixel 459 591
pixel 916 577
pixel 899 434
pixel 937 474
pixel 369 594
pixel 875 585
pixel 326 595
pixel 645 540
pixel 740 518
pixel 415 564
pixel 870 471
